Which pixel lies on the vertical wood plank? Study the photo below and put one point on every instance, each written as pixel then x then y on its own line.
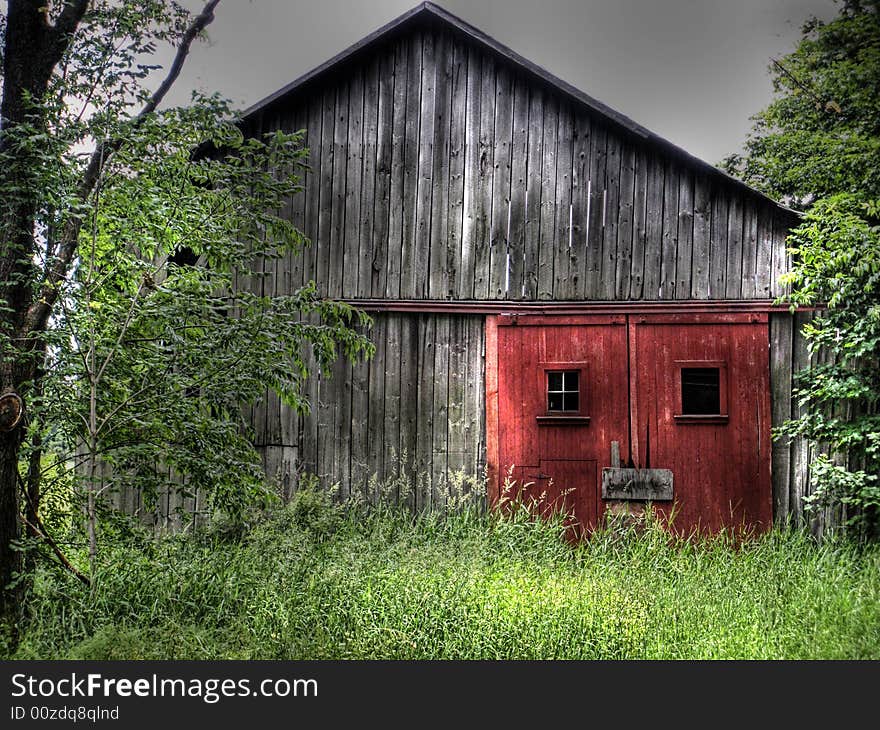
pixel 597 198
pixel 800 450
pixel 780 404
pixel 293 265
pixel 476 395
pixel 325 205
pixel 499 243
pixel 375 435
pixel 640 226
pixel 625 220
pixel 354 188
pixel 383 239
pixel 548 199
pixel 392 457
pixel 515 285
pixel 457 445
pixel 764 244
pixel 423 425
pixel 470 191
pixel 656 196
pixel 340 394
pixel 338 216
pixel 484 182
pixel 735 248
pixel 312 179
pixel 562 224
pixel 532 235
pixel 750 249
pixel 417 269
pixel 580 187
pixel 610 203
pixel 457 153
pixel 410 354
pixel 409 260
pixel 367 242
pixel 326 449
pixel 684 252
pixel 397 211
pixel 669 251
pixel 700 266
pixel 440 412
pixel 718 245
pixel 438 263
pixel 781 262
pixel 360 429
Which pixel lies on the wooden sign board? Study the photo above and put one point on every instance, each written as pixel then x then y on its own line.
pixel 654 485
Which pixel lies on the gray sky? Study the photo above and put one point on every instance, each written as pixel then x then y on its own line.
pixel 692 71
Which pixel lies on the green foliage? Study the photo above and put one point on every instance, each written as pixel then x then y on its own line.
pixel 821 134
pixel 817 146
pixel 388 585
pixel 163 330
pixel 837 263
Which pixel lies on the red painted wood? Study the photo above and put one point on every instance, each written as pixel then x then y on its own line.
pixel 721 470
pixel 559 464
pixel 630 384
pixel 491 375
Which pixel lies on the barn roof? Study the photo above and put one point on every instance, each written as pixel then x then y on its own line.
pixel 428 14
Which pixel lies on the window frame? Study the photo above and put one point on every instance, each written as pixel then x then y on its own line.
pixel 545 416
pixel 723 417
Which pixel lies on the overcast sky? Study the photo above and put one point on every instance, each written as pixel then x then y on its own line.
pixel 692 71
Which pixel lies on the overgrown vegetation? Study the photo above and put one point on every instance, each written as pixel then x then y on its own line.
pixel 817 146
pixel 314 581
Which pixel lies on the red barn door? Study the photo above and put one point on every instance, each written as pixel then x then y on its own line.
pixel 700 396
pixel 683 393
pixel 562 399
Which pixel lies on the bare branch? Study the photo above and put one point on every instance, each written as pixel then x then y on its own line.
pixel 40 530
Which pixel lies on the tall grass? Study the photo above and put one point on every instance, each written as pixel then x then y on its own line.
pixel 313 581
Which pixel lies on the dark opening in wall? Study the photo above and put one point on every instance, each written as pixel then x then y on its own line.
pixel 700 391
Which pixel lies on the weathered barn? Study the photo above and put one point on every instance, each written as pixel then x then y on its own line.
pixel 558 293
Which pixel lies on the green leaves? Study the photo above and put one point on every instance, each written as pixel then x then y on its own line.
pixel 836 255
pixel 821 134
pixel 817 146
pixel 167 327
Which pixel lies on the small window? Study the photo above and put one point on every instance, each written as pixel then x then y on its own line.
pixel 563 391
pixel 700 391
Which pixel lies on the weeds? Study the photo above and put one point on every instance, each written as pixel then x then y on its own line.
pixel 312 580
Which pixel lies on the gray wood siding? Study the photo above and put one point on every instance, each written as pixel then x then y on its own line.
pixel 414 413
pixel 441 171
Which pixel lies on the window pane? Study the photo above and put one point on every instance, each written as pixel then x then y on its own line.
pixel 571 380
pixel 554 381
pixel 570 402
pixel 700 391
pixel 554 402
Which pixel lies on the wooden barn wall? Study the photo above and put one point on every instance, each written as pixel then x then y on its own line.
pixel 439 171
pixel 413 417
pixel 791 457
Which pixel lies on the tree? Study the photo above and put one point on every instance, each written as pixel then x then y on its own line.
pixel 820 136
pixel 817 146
pixel 163 334
pixel 101 195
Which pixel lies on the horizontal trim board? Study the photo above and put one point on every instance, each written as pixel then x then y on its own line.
pixel 434 306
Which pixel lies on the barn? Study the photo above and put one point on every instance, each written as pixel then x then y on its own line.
pixel 561 297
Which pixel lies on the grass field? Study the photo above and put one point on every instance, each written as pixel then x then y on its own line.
pixel 313 582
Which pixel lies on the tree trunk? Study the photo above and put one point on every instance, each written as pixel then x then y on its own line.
pixel 10 559
pixel 32 49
